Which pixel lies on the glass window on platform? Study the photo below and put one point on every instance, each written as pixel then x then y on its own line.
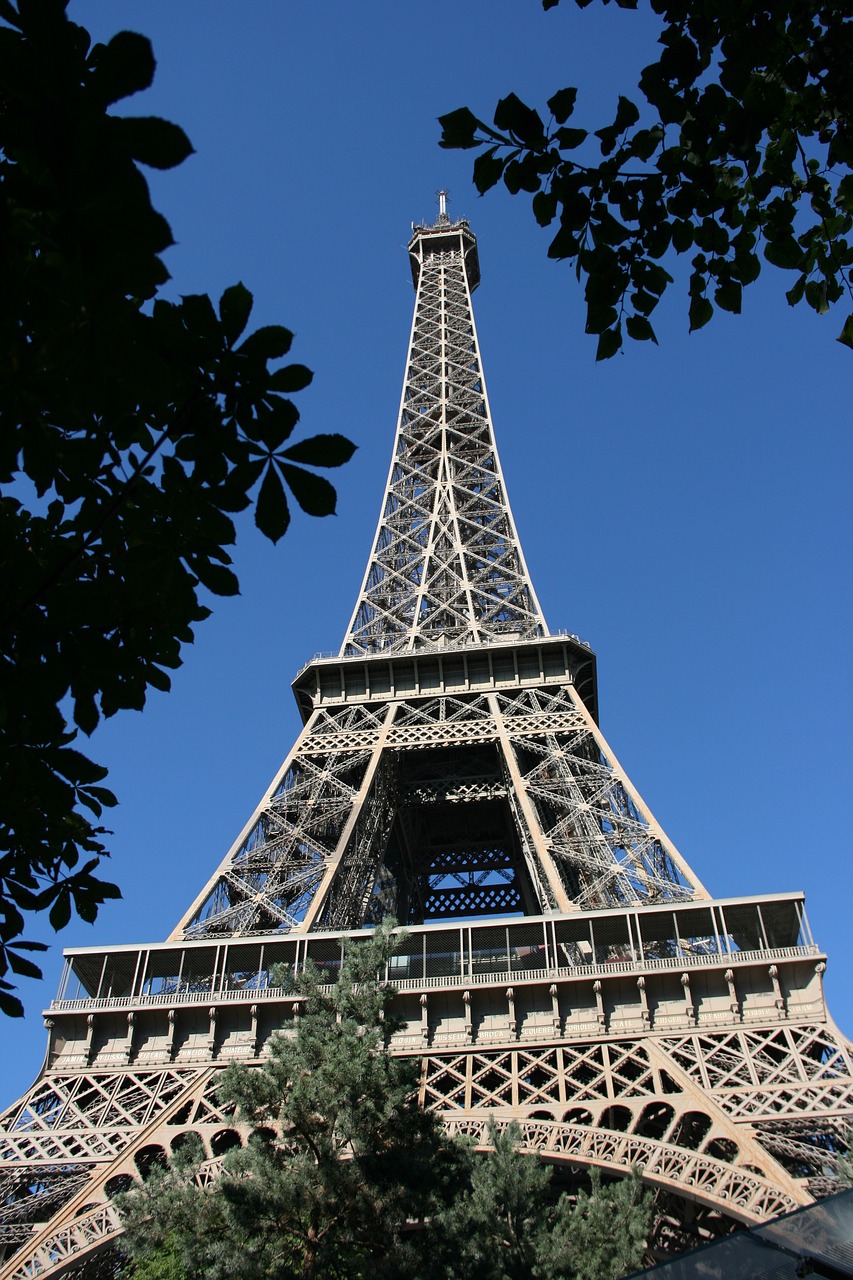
pixel 277 964
pixel 784 925
pixel 696 934
pixel 612 940
pixel 574 943
pixel 658 935
pixel 326 954
pixel 242 968
pixel 164 972
pixel 742 926
pixel 489 950
pixel 442 954
pixel 407 962
pixel 527 948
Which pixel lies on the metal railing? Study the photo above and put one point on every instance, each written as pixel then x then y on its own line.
pixel 328 655
pixel 497 973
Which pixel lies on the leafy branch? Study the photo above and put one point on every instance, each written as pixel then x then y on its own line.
pixel 737 97
pixel 140 425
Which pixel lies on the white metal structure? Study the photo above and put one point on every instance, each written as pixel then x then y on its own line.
pixel 446 567
pixel 563 966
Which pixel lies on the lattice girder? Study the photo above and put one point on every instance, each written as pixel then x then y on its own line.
pixel 667 1096
pixel 446 566
pixel 770 1074
pixel 280 863
pixel 86 1118
pixel 316 851
pixel 585 1104
pixel 563 965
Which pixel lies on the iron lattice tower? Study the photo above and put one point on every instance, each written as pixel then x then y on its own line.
pixel 563 965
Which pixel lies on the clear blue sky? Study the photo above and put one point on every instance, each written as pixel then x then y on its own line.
pixel 684 508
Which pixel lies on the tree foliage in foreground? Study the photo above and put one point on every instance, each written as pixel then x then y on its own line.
pixel 508 1226
pixel 347 1177
pixel 738 153
pixel 344 1166
pixel 131 429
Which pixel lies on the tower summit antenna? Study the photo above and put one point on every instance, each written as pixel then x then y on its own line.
pixel 442 205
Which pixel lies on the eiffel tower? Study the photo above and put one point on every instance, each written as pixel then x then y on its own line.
pixel 562 965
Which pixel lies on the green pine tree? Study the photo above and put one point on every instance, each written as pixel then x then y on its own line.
pixel 496 1230
pixel 352 1180
pixel 602 1235
pixel 346 1178
pixel 510 1226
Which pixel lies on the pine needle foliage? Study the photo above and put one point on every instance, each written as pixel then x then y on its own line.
pixel 603 1235
pixel 354 1175
pixel 497 1228
pixel 345 1177
pixel 509 1226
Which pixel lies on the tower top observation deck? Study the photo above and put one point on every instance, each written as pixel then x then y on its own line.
pixel 443 237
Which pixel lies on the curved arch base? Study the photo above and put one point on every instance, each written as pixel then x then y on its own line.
pixel 736 1193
